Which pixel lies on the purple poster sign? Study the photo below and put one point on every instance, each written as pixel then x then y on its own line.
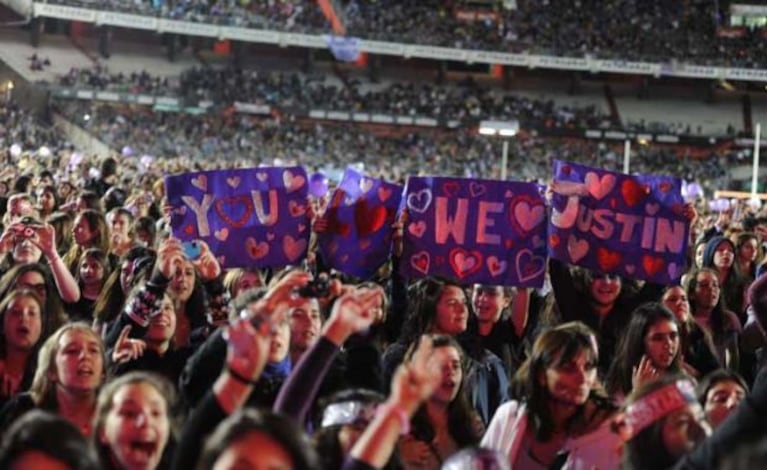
pixel 475 231
pixel 613 223
pixel 249 217
pixel 360 215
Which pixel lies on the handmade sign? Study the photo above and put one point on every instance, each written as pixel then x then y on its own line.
pixel 360 217
pixel 632 226
pixel 249 217
pixel 475 231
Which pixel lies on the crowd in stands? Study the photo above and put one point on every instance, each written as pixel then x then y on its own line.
pixel 463 103
pixel 238 137
pixel 657 30
pixel 107 319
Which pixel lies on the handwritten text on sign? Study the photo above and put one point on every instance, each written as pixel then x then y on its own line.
pixel 249 217
pixel 475 231
pixel 609 222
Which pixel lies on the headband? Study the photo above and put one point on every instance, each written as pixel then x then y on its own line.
pixel 658 404
pixel 348 412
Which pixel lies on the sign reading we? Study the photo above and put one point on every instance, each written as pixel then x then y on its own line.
pixel 475 231
pixel 633 226
pixel 249 217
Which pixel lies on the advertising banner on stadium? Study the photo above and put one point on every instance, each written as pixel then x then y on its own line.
pixel 632 226
pixel 253 217
pixel 475 231
pixel 359 217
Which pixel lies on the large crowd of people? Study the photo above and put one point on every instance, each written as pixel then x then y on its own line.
pixel 656 31
pixel 113 330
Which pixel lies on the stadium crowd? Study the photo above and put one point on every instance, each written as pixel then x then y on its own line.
pixel 106 320
pixel 653 30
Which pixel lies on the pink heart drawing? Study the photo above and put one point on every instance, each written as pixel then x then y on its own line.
pixel 496 266
pixel 366 184
pixel 651 208
pixel 269 236
pixel 508 194
pixel 262 177
pixel 529 266
pixel 528 215
pixel 419 201
pixel 255 249
pixel 296 209
pixel 301 228
pixel 417 229
pixel 477 189
pixel 292 182
pixel 630 269
pixel 233 181
pixel 464 262
pixel 293 248
pixel 200 182
pixel 222 234
pixel 383 193
pixel 577 249
pixel 599 187
pixel 420 262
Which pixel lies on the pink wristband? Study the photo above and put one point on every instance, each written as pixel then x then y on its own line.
pixel 404 420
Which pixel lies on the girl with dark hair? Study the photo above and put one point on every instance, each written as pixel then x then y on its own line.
pixel 439 306
pixel 36 277
pixel 561 418
pixel 70 371
pixel 697 348
pixel 709 313
pixel 132 424
pixel 747 255
pixel 42 440
pixel 501 314
pixel 47 202
pixel 446 422
pixel 648 349
pixel 20 338
pixel 92 271
pixel 90 231
pixel 719 393
pixel 719 256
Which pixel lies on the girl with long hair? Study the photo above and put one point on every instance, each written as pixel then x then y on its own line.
pixel 560 417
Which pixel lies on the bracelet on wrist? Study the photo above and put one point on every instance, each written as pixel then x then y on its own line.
pixel 401 415
pixel 239 377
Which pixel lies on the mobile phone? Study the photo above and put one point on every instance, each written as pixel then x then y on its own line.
pixel 192 249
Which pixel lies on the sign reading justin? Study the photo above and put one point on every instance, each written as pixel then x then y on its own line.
pixel 475 231
pixel 249 217
pixel 359 218
pixel 633 226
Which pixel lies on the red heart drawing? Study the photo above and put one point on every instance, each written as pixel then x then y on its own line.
pixel 293 247
pixel 296 209
pixel 554 240
pixel 368 220
pixel 608 260
pixel 665 187
pixel 464 262
pixel 652 264
pixel 417 229
pixel 383 193
pixel 632 193
pixel 526 213
pixel 420 262
pixel 255 249
pixel 365 244
pixel 189 229
pixel 566 170
pixel 508 243
pixel 451 188
pixel 235 210
pixel 440 260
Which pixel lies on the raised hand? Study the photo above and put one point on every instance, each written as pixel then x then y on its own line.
pixel 248 346
pixel 170 257
pixel 206 264
pixel 417 379
pixel 643 373
pixel 355 311
pixel 127 349
pixel 45 239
